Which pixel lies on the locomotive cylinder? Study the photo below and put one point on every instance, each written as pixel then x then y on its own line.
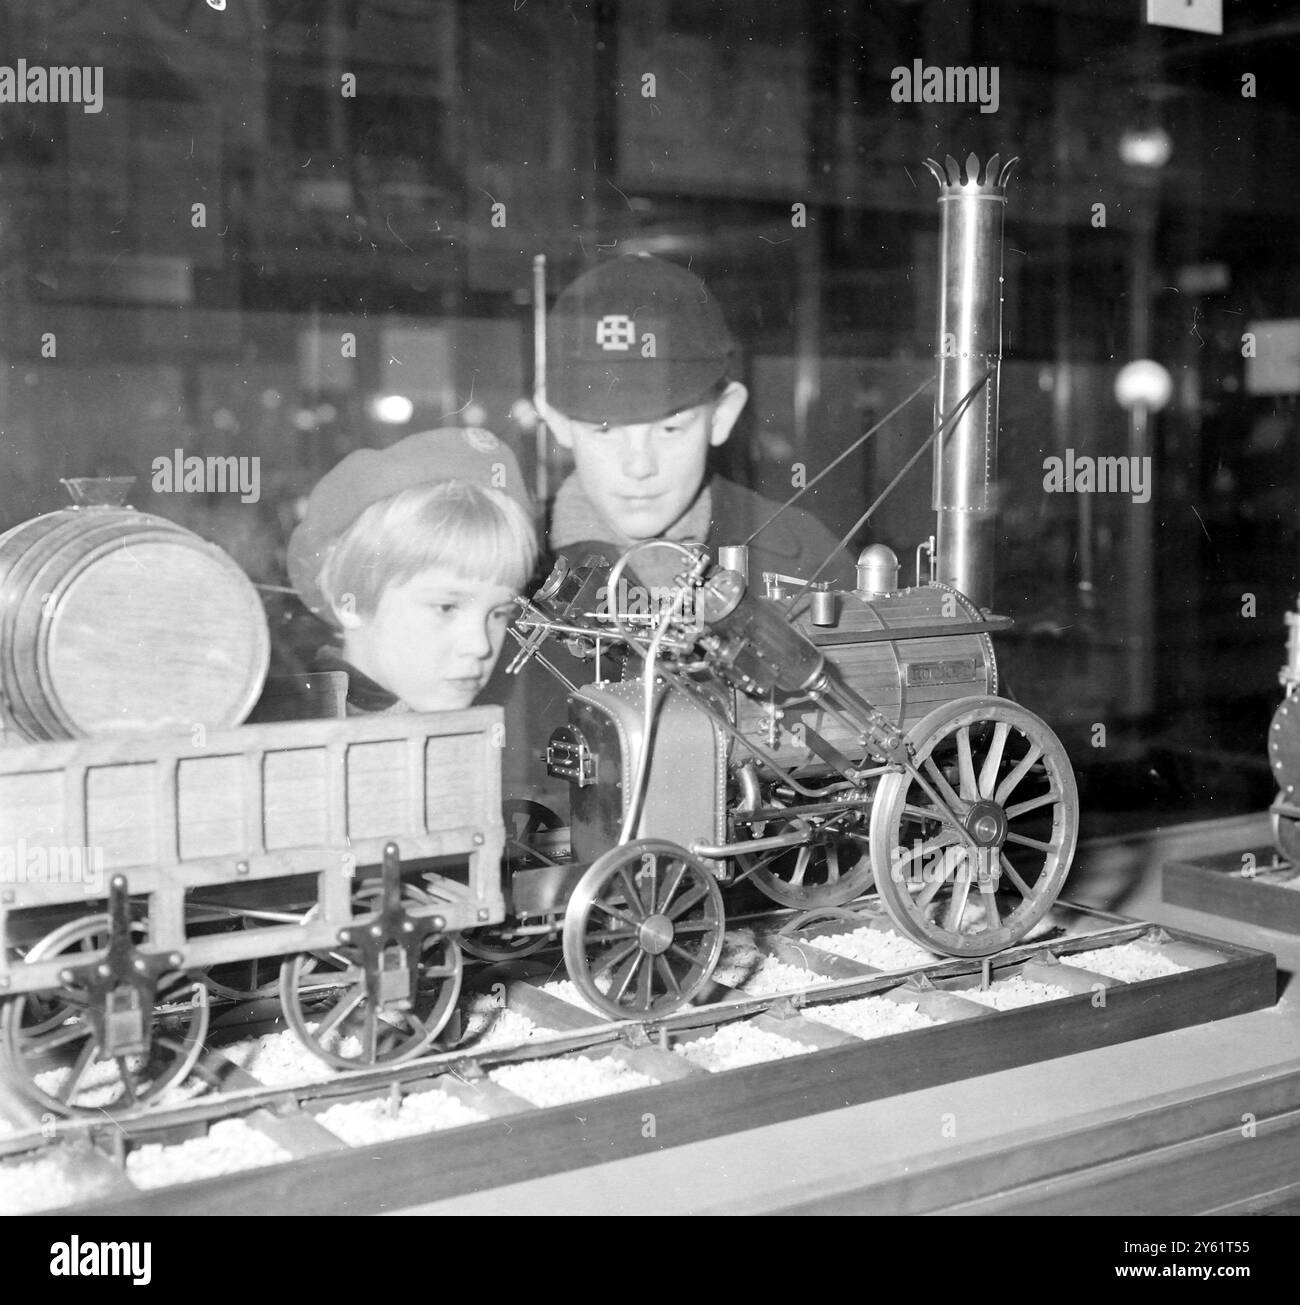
pixel 764 652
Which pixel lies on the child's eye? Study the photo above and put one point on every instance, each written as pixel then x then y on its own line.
pixel 445 609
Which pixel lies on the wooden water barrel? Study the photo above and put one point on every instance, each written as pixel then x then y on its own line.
pixel 116 621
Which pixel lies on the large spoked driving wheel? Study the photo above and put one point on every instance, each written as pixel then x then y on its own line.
pixel 643 929
pixel 351 1013
pixel 826 868
pixel 77 1052
pixel 970 852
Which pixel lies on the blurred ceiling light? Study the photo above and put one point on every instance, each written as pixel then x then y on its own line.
pixel 1145 147
pixel 660 245
pixel 523 414
pixel 393 409
pixel 1145 384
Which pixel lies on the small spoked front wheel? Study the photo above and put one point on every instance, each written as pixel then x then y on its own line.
pixel 971 848
pixel 643 929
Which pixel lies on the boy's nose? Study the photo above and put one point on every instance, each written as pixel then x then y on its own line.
pixel 639 462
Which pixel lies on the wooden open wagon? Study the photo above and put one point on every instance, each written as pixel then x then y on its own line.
pixel 135 873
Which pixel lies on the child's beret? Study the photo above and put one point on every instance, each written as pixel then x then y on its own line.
pixel 368 476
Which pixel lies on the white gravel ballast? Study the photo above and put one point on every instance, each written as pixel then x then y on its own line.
pixel 745 967
pixel 869 1017
pixel 1008 994
pixel 360 1123
pixel 231 1145
pixel 882 949
pixel 739 960
pixel 555 1082
pixel 735 1045
pixel 278 1058
pixel 27 1186
pixel 1128 963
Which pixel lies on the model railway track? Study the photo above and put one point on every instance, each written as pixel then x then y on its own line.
pixel 574 1030
pixel 677 1100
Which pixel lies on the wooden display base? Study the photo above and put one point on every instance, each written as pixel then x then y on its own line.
pixel 520 1143
pixel 1244 885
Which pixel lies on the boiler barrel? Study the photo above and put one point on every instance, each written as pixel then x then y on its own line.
pixel 115 621
pixel 933 658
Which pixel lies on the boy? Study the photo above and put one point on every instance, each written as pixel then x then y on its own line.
pixel 638 364
pixel 414 554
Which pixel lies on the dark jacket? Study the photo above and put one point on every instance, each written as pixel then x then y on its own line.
pixel 535 702
pixel 796 543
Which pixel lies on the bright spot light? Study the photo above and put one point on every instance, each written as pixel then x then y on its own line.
pixel 394 409
pixel 1145 383
pixel 1146 147
pixel 523 414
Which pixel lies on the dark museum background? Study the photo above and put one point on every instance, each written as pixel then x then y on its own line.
pixel 372 215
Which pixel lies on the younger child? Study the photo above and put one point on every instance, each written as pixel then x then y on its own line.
pixel 414 554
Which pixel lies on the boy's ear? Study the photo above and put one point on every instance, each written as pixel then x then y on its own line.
pixel 345 613
pixel 557 422
pixel 726 409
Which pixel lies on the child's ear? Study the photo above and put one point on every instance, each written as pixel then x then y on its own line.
pixel 346 614
pixel 726 409
pixel 557 422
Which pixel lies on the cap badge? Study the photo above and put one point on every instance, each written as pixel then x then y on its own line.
pixel 481 439
pixel 615 333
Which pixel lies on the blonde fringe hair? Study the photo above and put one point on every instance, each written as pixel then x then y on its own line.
pixel 474 532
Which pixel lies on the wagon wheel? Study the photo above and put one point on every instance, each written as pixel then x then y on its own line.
pixel 249 980
pixel 52 1043
pixel 524 819
pixel 646 915
pixel 499 942
pixel 996 820
pixel 1286 836
pixel 328 1003
pixel 827 869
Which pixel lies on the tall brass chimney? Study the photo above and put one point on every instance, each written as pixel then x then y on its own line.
pixel 970 343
